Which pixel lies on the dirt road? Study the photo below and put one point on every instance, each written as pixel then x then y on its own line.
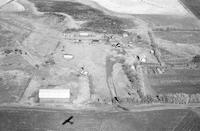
pixel 5 2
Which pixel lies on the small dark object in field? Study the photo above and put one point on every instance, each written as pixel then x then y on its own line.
pixel 116 98
pixel 50 61
pixel 37 66
pixel 68 121
pixel 139 37
pixel 138 58
pixel 20 51
pixel 8 51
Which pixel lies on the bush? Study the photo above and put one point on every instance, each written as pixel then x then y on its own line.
pixel 149 99
pixel 130 100
pixel 196 59
pixel 194 98
pixel 132 76
pixel 178 98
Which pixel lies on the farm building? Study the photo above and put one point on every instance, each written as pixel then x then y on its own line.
pixel 84 36
pixel 54 95
pixel 68 56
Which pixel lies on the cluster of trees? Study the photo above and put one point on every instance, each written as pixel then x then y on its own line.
pixel 171 28
pixel 134 79
pixel 105 23
pixel 177 98
pixel 59 17
pixel 196 59
pixel 194 98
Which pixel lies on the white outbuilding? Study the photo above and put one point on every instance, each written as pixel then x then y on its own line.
pixel 84 34
pixel 68 56
pixel 54 95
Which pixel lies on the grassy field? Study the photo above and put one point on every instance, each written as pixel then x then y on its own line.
pixel 193 6
pixel 165 120
pixel 189 121
pixel 179 37
pixel 169 57
pixel 15 62
pixel 12 85
pixel 96 19
pixel 173 21
pixel 176 81
pixel 12 31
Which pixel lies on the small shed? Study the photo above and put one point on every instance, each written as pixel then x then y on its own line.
pixel 143 59
pixel 125 35
pixel 95 41
pixel 68 56
pixel 84 34
pixel 54 95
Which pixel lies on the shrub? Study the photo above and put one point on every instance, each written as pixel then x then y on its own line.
pixel 178 98
pixel 196 59
pixel 194 98
pixel 149 99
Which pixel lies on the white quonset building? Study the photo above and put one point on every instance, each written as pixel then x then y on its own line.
pixel 54 95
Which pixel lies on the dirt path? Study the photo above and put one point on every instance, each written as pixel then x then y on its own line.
pixel 3 3
pixel 155 48
pixel 29 7
pixel 70 22
pixel 102 108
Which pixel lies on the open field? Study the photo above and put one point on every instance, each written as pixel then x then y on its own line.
pixel 12 31
pixel 176 52
pixel 3 2
pixel 176 81
pixel 167 120
pixel 12 85
pixel 15 62
pixel 193 6
pixel 158 22
pixel 178 76
pixel 11 6
pixel 180 37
